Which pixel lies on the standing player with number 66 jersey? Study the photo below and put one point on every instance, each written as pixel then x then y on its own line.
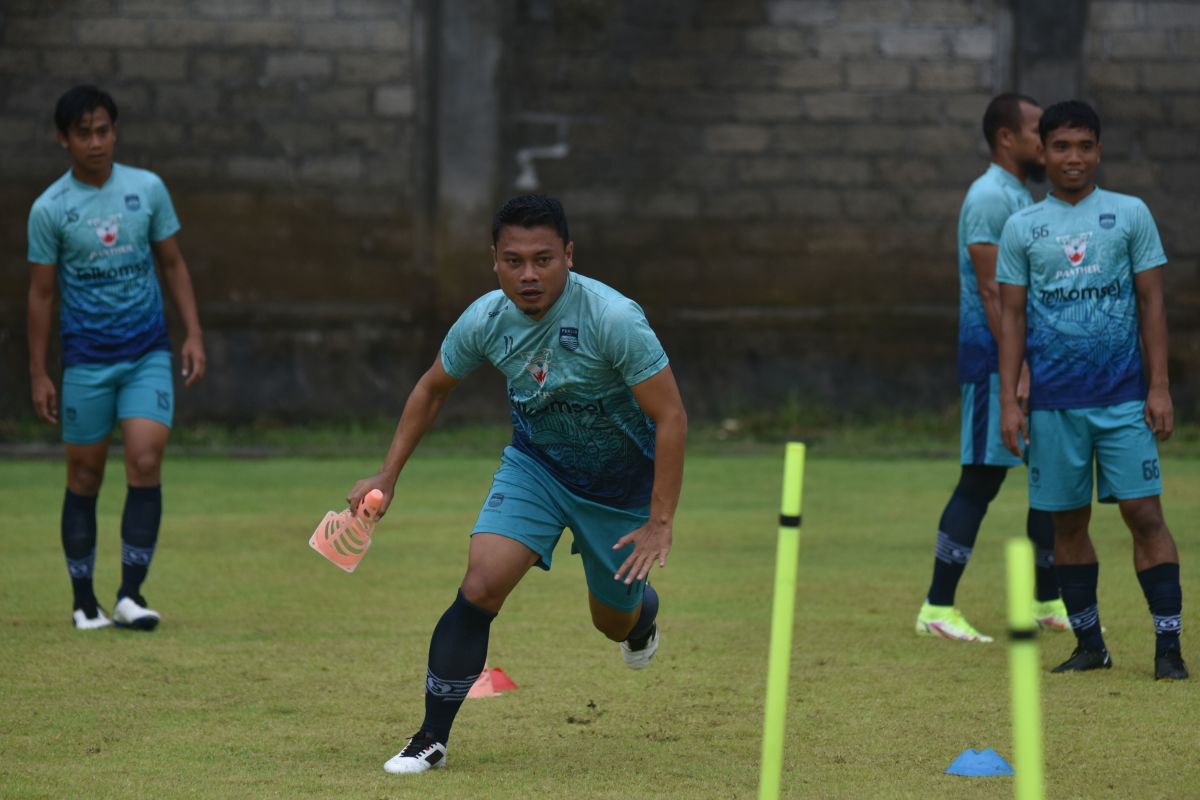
pixel 1089 264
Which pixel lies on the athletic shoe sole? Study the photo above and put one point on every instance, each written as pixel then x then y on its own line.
pixel 142 624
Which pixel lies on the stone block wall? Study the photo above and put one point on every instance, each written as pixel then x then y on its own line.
pixel 779 182
pixel 776 181
pixel 283 129
pixel 1143 74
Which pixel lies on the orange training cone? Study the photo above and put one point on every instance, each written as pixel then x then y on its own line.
pixel 483 686
pixel 344 538
pixel 491 682
pixel 501 682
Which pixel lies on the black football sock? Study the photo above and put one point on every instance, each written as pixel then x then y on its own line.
pixel 1077 582
pixel 959 526
pixel 637 636
pixel 1163 593
pixel 79 544
pixel 457 654
pixel 139 535
pixel 1039 525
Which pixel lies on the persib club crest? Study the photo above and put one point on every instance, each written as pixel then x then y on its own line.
pixel 1075 246
pixel 133 202
pixel 1108 221
pixel 569 338
pixel 537 364
pixel 107 229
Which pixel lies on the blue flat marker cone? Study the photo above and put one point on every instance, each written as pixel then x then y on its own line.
pixel 979 763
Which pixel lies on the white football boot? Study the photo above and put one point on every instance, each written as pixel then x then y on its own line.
pixel 131 612
pixel 641 658
pixel 90 623
pixel 422 752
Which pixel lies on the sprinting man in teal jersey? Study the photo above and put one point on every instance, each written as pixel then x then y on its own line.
pixel 97 232
pixel 1010 126
pixel 1088 266
pixel 598 436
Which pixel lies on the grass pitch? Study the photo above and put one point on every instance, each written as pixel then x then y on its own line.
pixel 275 674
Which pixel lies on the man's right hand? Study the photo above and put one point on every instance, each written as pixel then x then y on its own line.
pixel 1014 429
pixel 383 482
pixel 45 399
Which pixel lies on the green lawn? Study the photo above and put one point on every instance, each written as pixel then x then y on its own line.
pixel 275 674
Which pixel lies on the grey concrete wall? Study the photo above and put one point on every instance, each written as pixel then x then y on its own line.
pixel 776 181
pixel 1142 68
pixel 284 131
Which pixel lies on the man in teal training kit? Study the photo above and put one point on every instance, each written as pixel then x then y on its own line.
pixel 598 436
pixel 1010 126
pixel 1089 265
pixel 97 232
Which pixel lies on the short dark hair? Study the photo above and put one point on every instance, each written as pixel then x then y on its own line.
pixel 529 211
pixel 1069 114
pixel 79 101
pixel 1004 112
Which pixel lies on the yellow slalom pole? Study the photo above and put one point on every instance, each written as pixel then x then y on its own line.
pixel 1024 665
pixel 787 558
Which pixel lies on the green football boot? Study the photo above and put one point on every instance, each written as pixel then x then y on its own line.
pixel 948 623
pixel 1051 615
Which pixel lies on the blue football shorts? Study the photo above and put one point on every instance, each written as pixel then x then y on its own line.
pixel 981 440
pixel 1062 444
pixel 95 396
pixel 527 504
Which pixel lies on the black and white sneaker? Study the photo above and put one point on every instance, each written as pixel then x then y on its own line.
pixel 1085 659
pixel 421 753
pixel 638 653
pixel 1169 666
pixel 90 616
pixel 131 612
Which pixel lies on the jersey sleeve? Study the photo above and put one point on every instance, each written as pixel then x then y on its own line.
pixel 43 236
pixel 461 349
pixel 984 217
pixel 1012 263
pixel 163 221
pixel 631 345
pixel 1145 247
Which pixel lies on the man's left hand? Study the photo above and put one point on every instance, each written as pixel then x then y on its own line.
pixel 651 542
pixel 193 358
pixel 1160 413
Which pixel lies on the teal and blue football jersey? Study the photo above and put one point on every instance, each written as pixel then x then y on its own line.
pixel 992 199
pixel 1079 262
pixel 112 308
pixel 569 375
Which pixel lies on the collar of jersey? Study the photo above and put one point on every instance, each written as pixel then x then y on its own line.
pixel 78 184
pixel 1052 200
pixel 556 310
pixel 1005 175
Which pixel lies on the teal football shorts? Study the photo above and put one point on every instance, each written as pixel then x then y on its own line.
pixel 981 440
pixel 526 504
pixel 95 396
pixel 1061 447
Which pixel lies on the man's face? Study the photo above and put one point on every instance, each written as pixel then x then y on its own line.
pixel 533 266
pixel 90 140
pixel 1029 152
pixel 1072 155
